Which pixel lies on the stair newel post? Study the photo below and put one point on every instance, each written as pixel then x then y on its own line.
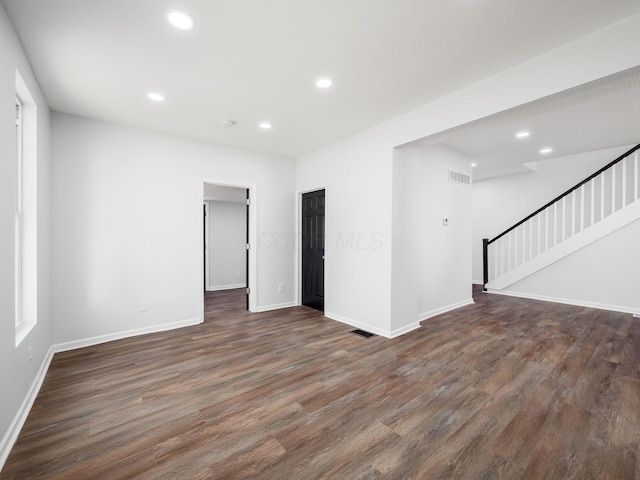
pixel 485 263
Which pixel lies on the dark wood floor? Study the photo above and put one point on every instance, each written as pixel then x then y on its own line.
pixel 503 389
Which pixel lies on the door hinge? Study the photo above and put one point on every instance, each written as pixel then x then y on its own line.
pixel 248 201
pixel 248 291
pixel 18 114
pixel 248 246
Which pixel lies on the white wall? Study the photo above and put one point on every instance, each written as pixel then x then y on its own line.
pixel 358 171
pixel 430 261
pixel 603 274
pixel 18 371
pixel 406 261
pixel 227 245
pixel 445 262
pixel 500 202
pixel 357 176
pixel 127 210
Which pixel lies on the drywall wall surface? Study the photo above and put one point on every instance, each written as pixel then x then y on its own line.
pixel 502 201
pixel 227 245
pixel 406 240
pixel 128 230
pixel 445 225
pixel 604 274
pixel 19 366
pixel 358 173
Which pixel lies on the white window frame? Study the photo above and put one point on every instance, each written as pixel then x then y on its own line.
pixel 26 213
pixel 18 219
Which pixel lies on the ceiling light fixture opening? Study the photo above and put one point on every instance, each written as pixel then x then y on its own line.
pixel 265 125
pixel 156 97
pixel 324 82
pixel 181 20
pixel 523 134
pixel 546 150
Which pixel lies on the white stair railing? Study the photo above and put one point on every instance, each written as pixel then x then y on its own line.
pixel 602 194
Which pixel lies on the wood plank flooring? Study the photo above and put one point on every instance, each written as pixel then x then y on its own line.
pixel 504 389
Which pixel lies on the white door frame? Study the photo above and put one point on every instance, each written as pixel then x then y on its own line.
pixel 253 238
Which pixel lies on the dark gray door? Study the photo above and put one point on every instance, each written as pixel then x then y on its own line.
pixel 313 249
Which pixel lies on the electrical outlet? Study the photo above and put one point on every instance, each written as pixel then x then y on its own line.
pixel 281 288
pixel 144 306
pixel 445 222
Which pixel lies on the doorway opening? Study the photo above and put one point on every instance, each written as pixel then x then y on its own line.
pixel 225 248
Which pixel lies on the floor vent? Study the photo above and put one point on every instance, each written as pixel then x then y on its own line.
pixel 364 334
pixel 457 177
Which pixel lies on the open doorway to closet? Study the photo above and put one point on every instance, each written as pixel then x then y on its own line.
pixel 226 248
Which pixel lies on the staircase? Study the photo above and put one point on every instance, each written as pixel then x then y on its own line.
pixel 600 204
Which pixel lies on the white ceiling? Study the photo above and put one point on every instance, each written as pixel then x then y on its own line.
pixel 592 117
pixel 255 60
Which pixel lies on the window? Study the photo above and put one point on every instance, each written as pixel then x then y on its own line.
pixel 25 224
pixel 18 217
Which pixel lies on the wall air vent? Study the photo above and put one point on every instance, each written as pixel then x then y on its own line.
pixel 457 177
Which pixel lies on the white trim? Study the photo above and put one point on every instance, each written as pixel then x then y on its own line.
pixel 277 306
pixel 88 342
pixel 600 229
pixel 216 288
pixel 477 282
pixel 406 329
pixel 567 301
pixel 636 315
pixel 207 222
pixel 12 433
pixel 253 239
pixel 360 325
pixel 438 311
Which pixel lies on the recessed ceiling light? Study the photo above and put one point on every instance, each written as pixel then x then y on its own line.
pixel 229 123
pixel 181 20
pixel 265 125
pixel 546 150
pixel 523 134
pixel 324 82
pixel 474 164
pixel 156 97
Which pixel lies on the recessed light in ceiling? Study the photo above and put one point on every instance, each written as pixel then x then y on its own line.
pixel 229 123
pixel 156 97
pixel 265 125
pixel 523 134
pixel 324 82
pixel 181 20
pixel 474 164
pixel 546 150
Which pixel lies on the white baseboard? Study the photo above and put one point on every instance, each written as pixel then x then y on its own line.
pixel 438 311
pixel 12 433
pixel 567 301
pixel 477 282
pixel 356 324
pixel 217 288
pixel 88 342
pixel 406 329
pixel 277 306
